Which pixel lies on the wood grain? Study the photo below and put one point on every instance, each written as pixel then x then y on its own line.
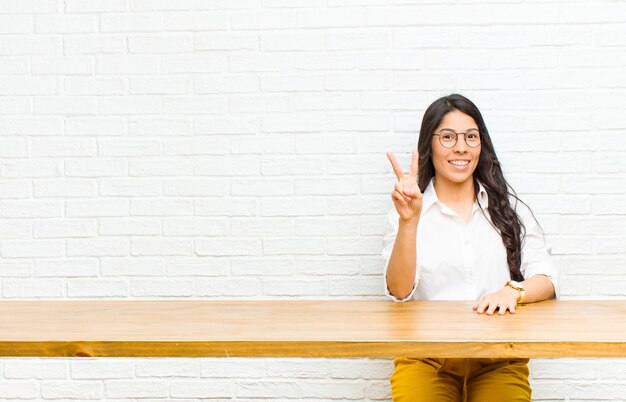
pixel 182 328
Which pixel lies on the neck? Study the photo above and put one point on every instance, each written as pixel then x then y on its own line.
pixel 451 193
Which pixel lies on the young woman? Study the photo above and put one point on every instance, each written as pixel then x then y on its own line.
pixel 459 232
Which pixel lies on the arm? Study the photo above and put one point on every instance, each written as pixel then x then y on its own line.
pixel 401 259
pixel 401 267
pixel 542 282
pixel 537 288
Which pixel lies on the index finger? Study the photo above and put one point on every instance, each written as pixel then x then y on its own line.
pixel 415 160
pixel 394 164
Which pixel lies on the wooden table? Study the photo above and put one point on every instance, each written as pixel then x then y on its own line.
pixel 382 329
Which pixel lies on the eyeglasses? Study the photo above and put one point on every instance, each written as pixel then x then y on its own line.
pixel 448 137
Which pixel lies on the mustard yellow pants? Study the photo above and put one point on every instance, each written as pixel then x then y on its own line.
pixel 456 380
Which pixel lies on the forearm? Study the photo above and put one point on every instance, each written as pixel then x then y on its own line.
pixel 538 288
pixel 401 267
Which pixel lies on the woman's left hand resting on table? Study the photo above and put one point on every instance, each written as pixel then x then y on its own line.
pixel 537 288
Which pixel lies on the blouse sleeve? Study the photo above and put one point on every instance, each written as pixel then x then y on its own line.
pixel 389 239
pixel 536 252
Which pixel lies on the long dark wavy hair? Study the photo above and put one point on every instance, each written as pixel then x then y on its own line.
pixel 488 172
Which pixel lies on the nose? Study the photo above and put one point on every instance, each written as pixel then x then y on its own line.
pixel 461 145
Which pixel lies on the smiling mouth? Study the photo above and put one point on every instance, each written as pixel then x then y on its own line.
pixel 459 163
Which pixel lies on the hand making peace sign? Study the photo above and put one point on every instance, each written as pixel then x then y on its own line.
pixel 406 195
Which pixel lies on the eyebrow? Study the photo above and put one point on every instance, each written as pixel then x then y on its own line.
pixel 467 129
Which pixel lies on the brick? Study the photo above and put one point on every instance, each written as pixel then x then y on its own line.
pixel 67 65
pixel 195 227
pixel 226 41
pixel 91 288
pixel 294 246
pixel 66 188
pixel 32 85
pixel 160 85
pixel 196 146
pixel 228 287
pixel 362 81
pixel 130 187
pixel 228 166
pixel 33 369
pixel 94 44
pixel 262 227
pixel 93 6
pixel 328 266
pixel 162 288
pixel 161 246
pixel 291 83
pixel 228 247
pixel 194 104
pixel 63 147
pixel 136 389
pixel 126 64
pixel 20 390
pixel 234 367
pixel 261 187
pixel 16 269
pixel 218 206
pixel 65 105
pixel 67 268
pixel 150 126
pixel 359 122
pixel 161 207
pixel 161 43
pixel 161 167
pixel 132 266
pixel 12 147
pixel 95 126
pixel 32 248
pixel 361 368
pixel 336 17
pixel 295 287
pixel 29 125
pixel 97 207
pixel 16 24
pixel 298 368
pixel 265 266
pixel 201 389
pixel 325 62
pixel 327 226
pixel 129 226
pixel 66 24
pixel 31 45
pixel 97 247
pixel 195 187
pixel 332 389
pixel 63 228
pixel 197 266
pixel 101 369
pixel 194 63
pixel 32 288
pixel 263 19
pixel 129 104
pixel 92 168
pixel 168 368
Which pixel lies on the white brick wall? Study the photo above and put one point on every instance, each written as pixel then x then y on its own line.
pixel 235 149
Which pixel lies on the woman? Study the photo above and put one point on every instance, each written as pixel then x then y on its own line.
pixel 459 232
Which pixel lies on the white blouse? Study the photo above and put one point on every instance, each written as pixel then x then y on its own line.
pixel 459 261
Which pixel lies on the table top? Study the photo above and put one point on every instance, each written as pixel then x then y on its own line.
pixel 328 328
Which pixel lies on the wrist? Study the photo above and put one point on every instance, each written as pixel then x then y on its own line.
pixel 517 289
pixel 409 222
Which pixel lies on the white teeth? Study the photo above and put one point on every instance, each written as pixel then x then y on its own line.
pixel 459 163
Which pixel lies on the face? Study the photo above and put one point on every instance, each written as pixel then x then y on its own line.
pixel 456 164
